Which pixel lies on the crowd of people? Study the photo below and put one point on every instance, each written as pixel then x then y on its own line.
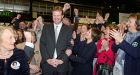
pixel 60 48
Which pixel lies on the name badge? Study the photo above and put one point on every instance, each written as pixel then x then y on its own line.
pixel 135 44
pixel 15 65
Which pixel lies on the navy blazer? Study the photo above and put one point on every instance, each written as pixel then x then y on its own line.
pixel 20 58
pixel 132 57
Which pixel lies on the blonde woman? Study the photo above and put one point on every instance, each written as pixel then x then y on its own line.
pixel 13 61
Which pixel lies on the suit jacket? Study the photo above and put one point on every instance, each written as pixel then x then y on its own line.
pixel 48 45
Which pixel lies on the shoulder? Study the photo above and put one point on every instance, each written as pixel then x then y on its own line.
pixel 138 38
pixel 48 25
pixel 19 52
pixel 67 28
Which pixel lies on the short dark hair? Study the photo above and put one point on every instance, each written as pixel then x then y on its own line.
pixel 96 34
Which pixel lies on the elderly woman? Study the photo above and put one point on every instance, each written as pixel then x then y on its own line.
pixel 128 48
pixel 12 60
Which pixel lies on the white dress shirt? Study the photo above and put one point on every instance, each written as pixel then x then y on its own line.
pixel 57 31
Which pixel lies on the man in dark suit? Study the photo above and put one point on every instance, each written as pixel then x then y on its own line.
pixel 55 40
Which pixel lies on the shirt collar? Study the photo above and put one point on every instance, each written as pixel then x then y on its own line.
pixel 59 25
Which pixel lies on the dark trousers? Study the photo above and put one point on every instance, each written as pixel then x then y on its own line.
pixel 103 69
pixel 55 73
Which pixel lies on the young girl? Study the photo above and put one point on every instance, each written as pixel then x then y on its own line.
pixel 105 55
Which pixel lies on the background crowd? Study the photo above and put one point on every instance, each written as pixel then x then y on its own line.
pixel 60 48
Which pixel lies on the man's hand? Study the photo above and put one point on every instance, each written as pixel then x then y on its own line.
pixel 55 62
pixel 52 62
pixel 58 62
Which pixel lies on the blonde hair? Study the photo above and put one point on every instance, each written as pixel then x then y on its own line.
pixel 138 22
pixel 3 28
pixel 58 8
pixel 136 16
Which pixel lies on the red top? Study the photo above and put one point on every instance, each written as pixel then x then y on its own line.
pixel 105 56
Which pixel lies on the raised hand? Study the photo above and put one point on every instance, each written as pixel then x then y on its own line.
pixel 106 16
pixel 66 7
pixel 76 12
pixel 28 36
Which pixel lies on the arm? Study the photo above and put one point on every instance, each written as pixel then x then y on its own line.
pixel 66 7
pixel 29 46
pixel 130 49
pixel 77 46
pixel 29 50
pixel 76 19
pixel 64 56
pixel 24 65
pixel 13 20
pixel 115 47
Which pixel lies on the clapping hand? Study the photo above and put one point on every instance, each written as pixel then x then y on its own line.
pixel 104 45
pixel 118 36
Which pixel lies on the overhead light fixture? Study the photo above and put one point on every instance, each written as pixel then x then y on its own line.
pixel 55 1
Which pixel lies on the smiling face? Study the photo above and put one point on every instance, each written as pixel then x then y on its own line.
pixel 88 34
pixel 131 24
pixel 57 16
pixel 7 39
pixel 84 29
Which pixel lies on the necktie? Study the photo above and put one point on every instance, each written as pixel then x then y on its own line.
pixel 56 33
pixel 56 37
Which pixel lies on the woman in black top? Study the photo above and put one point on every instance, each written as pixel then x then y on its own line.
pixel 12 61
pixel 83 55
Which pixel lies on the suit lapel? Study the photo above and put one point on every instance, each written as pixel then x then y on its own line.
pixel 52 33
pixel 62 31
pixel 52 37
